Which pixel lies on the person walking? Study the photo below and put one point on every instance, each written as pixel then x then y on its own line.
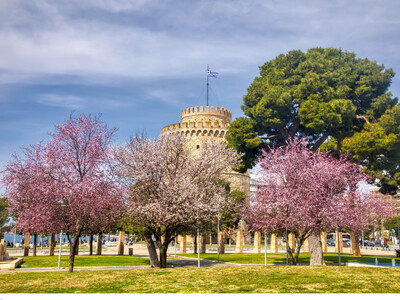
pixel 385 245
pixel 393 236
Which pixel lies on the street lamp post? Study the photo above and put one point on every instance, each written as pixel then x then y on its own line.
pixel 15 231
pixel 218 241
pixel 338 244
pixel 175 246
pixel 198 247
pixel 362 238
pixel 398 229
pixel 287 238
pixel 59 253
pixel 265 238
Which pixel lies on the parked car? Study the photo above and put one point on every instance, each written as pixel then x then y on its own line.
pixel 369 244
pixel 346 242
pixel 331 242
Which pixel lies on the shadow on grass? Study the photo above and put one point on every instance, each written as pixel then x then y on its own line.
pixel 280 258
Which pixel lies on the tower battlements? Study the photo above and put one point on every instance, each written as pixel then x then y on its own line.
pixel 197 112
pixel 202 121
pixel 190 126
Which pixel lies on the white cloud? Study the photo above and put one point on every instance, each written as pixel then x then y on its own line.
pixel 166 96
pixel 119 5
pixel 142 39
pixel 70 102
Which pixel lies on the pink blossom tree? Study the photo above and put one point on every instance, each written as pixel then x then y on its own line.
pixel 172 188
pixel 68 183
pixel 305 193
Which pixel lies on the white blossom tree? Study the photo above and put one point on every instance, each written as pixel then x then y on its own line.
pixel 172 188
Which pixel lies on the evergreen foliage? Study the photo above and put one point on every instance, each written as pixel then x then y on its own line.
pixel 328 96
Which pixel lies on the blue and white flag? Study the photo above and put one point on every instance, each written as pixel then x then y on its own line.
pixel 212 74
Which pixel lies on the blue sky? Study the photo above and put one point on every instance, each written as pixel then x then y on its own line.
pixel 139 63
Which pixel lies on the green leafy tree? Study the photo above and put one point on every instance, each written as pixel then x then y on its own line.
pixel 229 216
pixel 391 224
pixel 4 216
pixel 377 147
pixel 326 95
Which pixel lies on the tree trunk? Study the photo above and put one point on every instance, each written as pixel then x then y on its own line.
pixel 52 244
pixel 300 240
pixel 292 248
pixel 121 240
pixel 72 250
pixel 154 263
pixel 26 244
pixel 221 242
pixel 77 247
pixel 163 255
pixel 34 244
pixel 316 254
pixel 355 246
pixel 202 244
pixel 91 244
pixel 99 243
pixel 195 244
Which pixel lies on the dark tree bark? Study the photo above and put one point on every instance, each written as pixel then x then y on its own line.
pixel 294 253
pixel 163 255
pixel 77 247
pixel 91 244
pixel 52 244
pixel 73 249
pixel 34 244
pixel 316 253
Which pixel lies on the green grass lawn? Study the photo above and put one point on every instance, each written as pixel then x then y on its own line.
pixel 246 258
pixel 271 279
pixel 84 261
pixel 280 258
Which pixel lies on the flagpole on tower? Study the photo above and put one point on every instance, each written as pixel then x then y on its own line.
pixel 210 74
pixel 208 70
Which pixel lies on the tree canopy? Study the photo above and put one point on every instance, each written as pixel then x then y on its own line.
pixel 325 95
pixel 377 147
pixel 66 184
pixel 305 193
pixel 172 188
pixel 4 215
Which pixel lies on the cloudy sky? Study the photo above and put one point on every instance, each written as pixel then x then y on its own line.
pixel 139 63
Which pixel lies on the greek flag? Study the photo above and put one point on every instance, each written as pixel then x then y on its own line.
pixel 212 74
